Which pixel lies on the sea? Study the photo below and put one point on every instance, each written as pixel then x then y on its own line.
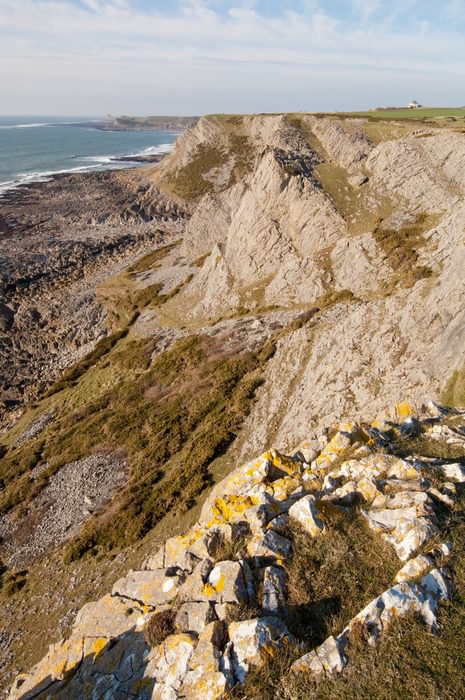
pixel 32 149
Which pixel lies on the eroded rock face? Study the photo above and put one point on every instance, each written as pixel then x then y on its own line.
pixel 280 236
pixel 222 626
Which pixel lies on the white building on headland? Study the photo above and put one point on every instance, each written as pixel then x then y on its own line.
pixel 413 105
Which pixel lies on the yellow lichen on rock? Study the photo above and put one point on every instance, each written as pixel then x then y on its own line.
pixel 403 410
pixel 281 462
pixel 228 509
pixel 98 646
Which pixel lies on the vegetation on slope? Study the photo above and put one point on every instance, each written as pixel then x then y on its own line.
pixel 454 393
pixel 172 418
pixel 401 250
pixel 408 661
pixel 191 182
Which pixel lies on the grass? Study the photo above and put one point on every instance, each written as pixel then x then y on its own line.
pixel 74 373
pixel 353 203
pixel 351 566
pixel 125 300
pixel 190 182
pixel 152 259
pixel 330 578
pixel 425 446
pixel 114 362
pixel 243 156
pixel 414 114
pixel 172 419
pixel 11 582
pixel 401 247
pixel 454 392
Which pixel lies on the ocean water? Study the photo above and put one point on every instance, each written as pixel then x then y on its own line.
pixel 34 148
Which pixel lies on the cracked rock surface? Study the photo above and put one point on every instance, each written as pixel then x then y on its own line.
pixel 109 652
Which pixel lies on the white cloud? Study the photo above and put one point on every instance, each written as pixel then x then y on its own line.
pixel 107 55
pixel 366 8
pixel 456 9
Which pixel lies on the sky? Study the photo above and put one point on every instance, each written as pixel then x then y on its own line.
pixel 190 57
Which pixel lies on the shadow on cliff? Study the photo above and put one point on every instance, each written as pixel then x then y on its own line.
pixel 113 668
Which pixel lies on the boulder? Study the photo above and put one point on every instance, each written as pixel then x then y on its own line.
pixel 306 514
pixel 414 568
pixel 149 587
pixel 193 587
pixel 169 665
pixel 192 617
pixel 228 582
pixel 274 590
pixel 269 545
pixel 252 640
pixel 327 659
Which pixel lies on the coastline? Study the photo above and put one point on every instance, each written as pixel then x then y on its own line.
pixel 109 163
pixel 59 240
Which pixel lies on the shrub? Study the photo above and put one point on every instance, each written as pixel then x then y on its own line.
pixel 159 627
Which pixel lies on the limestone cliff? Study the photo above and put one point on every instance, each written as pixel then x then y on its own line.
pixel 271 276
pixel 194 621
pixel 371 234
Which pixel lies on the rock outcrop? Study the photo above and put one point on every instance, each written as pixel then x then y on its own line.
pixel 272 275
pixel 229 613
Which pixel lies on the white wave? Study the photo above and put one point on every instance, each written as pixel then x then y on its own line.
pixel 95 159
pixel 152 150
pixel 42 176
pixel 25 126
pixel 103 162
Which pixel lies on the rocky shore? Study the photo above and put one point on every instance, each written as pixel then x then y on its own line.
pixel 272 282
pixel 58 241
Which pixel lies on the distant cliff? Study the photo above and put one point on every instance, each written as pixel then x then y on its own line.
pixel 125 123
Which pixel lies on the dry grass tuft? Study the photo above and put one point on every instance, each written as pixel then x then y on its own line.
pixel 159 627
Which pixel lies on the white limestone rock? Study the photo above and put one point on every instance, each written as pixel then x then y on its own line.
pixel 274 590
pixel 327 659
pixel 149 587
pixel 252 640
pixel 194 616
pixel 306 514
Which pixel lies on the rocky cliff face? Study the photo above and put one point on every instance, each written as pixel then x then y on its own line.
pixel 215 602
pixel 371 235
pixel 271 276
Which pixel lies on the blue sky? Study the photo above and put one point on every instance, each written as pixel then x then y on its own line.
pixel 198 56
